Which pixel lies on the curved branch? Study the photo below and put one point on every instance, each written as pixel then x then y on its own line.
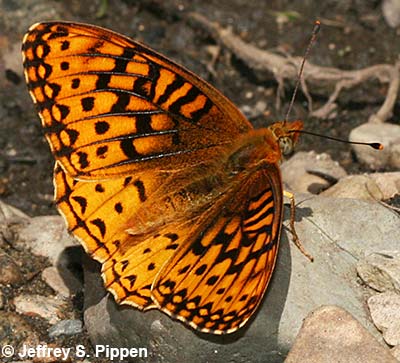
pixel 318 80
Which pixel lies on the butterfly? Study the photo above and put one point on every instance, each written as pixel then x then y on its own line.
pixel 160 177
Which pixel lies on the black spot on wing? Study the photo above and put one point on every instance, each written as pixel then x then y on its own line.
pixel 141 189
pixel 87 103
pixel 64 66
pixel 99 223
pixel 101 127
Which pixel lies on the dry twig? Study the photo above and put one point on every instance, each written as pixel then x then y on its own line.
pixel 329 81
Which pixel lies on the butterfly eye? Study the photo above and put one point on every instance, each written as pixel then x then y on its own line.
pixel 286 145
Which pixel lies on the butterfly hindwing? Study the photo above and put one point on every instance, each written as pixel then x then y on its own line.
pixel 216 281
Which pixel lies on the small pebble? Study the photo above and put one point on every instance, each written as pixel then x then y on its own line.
pixel 66 327
pixel 46 307
pixel 10 273
pixel 331 334
pixel 381 270
pixel 385 133
pixel 391 12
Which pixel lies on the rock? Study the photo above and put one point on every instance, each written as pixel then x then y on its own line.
pixel 396 352
pixel 337 232
pixel 66 327
pixel 381 270
pixel 260 106
pixel 46 307
pixel 62 281
pixel 356 187
pixel 46 236
pixel 303 172
pixel 388 183
pixel 385 313
pixel 10 273
pixel 391 12
pixel 385 133
pixel 376 186
pixel 330 334
pixel 10 217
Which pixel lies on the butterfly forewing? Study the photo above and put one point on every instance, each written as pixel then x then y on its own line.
pixel 111 106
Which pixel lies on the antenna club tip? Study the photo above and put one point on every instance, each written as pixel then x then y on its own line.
pixel 317 27
pixel 377 146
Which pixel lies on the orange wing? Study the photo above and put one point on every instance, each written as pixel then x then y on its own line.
pixel 111 106
pixel 216 282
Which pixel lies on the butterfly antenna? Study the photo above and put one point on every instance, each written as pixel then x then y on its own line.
pixel 317 26
pixel 374 145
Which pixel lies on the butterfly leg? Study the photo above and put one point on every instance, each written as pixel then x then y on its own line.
pixel 296 238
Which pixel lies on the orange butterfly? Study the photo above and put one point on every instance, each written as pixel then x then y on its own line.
pixel 160 176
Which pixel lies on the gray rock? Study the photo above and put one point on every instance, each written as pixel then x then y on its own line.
pixel 337 232
pixel 385 133
pixel 385 313
pixel 330 334
pixel 381 270
pixel 66 327
pixel 11 215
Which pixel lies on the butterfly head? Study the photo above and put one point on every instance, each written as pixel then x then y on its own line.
pixel 285 134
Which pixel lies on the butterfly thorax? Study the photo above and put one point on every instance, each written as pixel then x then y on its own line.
pixel 264 146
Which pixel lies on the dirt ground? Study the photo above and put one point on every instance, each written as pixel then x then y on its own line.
pixel 353 35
